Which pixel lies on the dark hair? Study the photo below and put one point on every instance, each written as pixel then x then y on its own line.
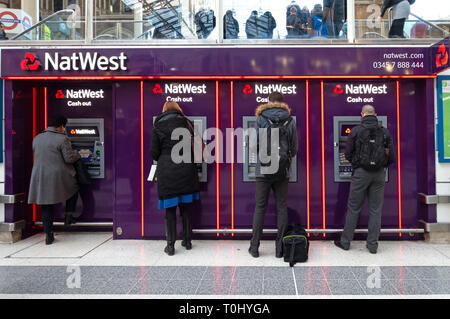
pixel 57 120
pixel 276 97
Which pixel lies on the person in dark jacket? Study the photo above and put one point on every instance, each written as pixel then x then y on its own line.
pixel 334 16
pixel 177 183
pixel 53 177
pixel 266 25
pixel 276 111
pixel 230 26
pixel 365 183
pixel 401 10
pixel 315 22
pixel 205 22
pixel 251 25
pixel 293 24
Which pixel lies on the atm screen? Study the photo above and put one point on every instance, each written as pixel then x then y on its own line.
pixel 85 153
pixel 346 129
pixel 82 131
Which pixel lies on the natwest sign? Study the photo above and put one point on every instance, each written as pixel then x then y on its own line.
pixel 77 61
pixel 184 88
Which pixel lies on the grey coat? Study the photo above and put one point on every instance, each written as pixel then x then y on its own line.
pixel 53 177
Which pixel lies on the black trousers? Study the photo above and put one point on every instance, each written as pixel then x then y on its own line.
pixel 262 191
pixel 396 30
pixel 48 212
pixel 171 223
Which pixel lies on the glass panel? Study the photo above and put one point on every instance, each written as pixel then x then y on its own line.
pixel 158 19
pixel 420 20
pixel 284 19
pixel 47 19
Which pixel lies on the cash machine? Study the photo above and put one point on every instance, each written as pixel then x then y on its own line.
pixel 87 138
pixel 342 127
pixel 250 157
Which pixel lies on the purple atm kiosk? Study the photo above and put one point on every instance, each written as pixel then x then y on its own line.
pixel 111 112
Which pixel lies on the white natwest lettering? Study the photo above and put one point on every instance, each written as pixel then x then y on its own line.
pixel 268 89
pixel 365 89
pixel 85 61
pixel 185 89
pixel 84 94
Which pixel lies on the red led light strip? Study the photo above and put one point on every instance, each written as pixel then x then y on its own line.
pixel 307 158
pixel 232 155
pixel 217 160
pixel 142 155
pixel 45 107
pixel 34 134
pixel 399 161
pixel 322 127
pixel 219 77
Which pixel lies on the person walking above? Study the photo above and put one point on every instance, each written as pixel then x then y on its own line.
pixel 177 181
pixel 274 119
pixel 401 10
pixel 53 178
pixel 370 150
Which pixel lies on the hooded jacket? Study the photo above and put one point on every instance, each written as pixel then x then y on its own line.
pixel 276 112
pixel 172 179
pixel 369 121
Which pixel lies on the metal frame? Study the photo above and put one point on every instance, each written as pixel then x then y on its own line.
pixel 245 125
pixel 351 33
pixel 337 120
pixel 311 231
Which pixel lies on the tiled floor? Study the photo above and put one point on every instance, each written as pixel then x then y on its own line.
pixel 80 264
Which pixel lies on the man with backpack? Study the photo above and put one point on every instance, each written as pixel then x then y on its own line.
pixel 276 135
pixel 370 150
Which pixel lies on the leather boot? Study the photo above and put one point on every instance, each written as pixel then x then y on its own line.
pixel 171 234
pixel 186 220
pixel 49 238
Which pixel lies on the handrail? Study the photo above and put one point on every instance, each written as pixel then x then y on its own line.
pixel 431 24
pixel 445 32
pixel 43 22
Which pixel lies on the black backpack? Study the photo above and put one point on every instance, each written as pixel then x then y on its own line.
pixel 285 156
pixel 411 1
pixel 295 245
pixel 371 149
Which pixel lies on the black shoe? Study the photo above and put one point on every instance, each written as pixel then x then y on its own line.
pixel 254 252
pixel 170 250
pixel 339 244
pixel 278 253
pixel 372 250
pixel 187 244
pixel 69 219
pixel 49 238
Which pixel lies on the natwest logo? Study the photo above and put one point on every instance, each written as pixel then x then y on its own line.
pixel 365 89
pixel 59 94
pixel 247 89
pixel 80 94
pixel 85 61
pixel 338 89
pixel 270 88
pixel 442 56
pixel 30 62
pixel 185 88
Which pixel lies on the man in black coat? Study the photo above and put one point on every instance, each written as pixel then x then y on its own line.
pixel 334 16
pixel 365 182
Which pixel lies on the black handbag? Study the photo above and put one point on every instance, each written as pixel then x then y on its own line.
pixel 82 173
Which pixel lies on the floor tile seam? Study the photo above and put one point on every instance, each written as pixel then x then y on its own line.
pixel 440 252
pixel 10 255
pixel 99 245
pixel 295 282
